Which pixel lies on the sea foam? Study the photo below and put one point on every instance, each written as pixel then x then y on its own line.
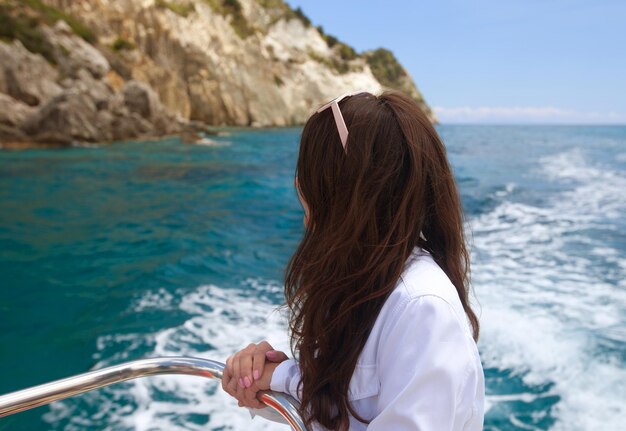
pixel 551 294
pixel 552 302
pixel 221 321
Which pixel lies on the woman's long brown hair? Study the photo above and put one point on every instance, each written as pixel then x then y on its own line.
pixel 392 191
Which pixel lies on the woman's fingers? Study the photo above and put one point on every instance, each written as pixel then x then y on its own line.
pixel 229 365
pixel 250 399
pixel 225 380
pixel 251 362
pixel 248 365
pixel 258 359
pixel 245 364
pixel 231 368
pixel 231 387
pixel 229 384
pixel 237 369
pixel 245 397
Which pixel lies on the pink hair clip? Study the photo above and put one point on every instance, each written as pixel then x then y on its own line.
pixel 341 124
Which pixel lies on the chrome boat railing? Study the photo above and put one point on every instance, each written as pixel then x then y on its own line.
pixel 36 396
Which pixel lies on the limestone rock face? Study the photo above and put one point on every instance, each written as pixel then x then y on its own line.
pixel 203 69
pixel 72 112
pixel 25 76
pixel 13 112
pixel 139 98
pixel 84 114
pixel 135 69
pixel 73 53
pixel 169 86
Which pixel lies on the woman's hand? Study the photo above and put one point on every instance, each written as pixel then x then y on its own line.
pixel 246 397
pixel 247 365
pixel 246 372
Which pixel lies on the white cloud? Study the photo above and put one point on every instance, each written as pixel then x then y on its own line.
pixel 525 114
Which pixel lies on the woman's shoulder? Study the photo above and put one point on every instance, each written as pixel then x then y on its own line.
pixel 422 335
pixel 423 277
pixel 423 291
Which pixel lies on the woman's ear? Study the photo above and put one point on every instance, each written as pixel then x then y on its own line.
pixel 305 221
pixel 303 203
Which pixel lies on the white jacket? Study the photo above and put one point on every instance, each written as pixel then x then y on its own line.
pixel 419 369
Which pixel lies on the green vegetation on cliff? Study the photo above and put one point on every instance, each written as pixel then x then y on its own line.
pixel 25 29
pixel 298 14
pixel 121 44
pixel 390 73
pixel 20 19
pixel 178 8
pixel 279 82
pixel 338 64
pixel 232 8
pixel 50 15
pixel 385 66
pixel 284 11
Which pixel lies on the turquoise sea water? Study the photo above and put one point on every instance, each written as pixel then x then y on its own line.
pixel 119 252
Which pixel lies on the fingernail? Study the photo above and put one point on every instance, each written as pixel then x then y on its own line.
pixel 241 382
pixel 247 382
pixel 256 374
pixel 270 354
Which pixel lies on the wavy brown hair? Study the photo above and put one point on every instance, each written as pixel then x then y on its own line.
pixel 392 191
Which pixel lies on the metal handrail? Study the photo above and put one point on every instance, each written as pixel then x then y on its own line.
pixel 36 396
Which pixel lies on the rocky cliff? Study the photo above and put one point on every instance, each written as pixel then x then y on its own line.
pixel 103 70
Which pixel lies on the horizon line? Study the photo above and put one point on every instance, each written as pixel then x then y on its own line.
pixel 462 123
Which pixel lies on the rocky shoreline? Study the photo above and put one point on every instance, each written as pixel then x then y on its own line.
pixel 74 72
pixel 77 102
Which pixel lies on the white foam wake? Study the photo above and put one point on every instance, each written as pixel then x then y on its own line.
pixel 549 289
pixel 551 295
pixel 225 319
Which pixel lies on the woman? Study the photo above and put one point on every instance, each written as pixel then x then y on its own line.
pixel 377 290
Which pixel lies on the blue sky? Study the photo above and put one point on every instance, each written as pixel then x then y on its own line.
pixel 507 61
